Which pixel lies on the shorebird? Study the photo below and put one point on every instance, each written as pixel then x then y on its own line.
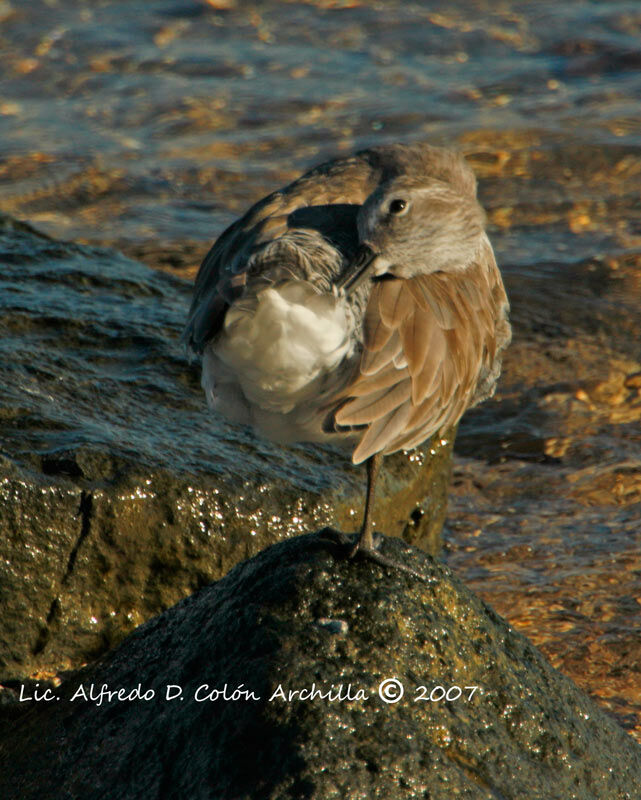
pixel 361 303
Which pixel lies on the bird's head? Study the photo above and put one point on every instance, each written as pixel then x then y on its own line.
pixel 417 225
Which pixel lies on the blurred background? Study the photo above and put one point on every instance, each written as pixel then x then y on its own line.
pixel 149 126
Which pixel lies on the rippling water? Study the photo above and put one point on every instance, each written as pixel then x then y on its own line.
pixel 149 126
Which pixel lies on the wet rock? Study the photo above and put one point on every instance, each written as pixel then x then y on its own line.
pixel 297 618
pixel 120 493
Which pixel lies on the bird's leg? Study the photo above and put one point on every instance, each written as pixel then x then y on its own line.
pixel 366 546
pixel 365 543
pixel 365 539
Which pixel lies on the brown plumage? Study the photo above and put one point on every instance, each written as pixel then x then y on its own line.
pixel 367 306
pixel 444 326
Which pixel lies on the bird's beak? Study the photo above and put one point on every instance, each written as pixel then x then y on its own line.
pixel 358 270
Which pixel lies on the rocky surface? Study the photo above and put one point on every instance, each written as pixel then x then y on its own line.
pixel 154 141
pixel 296 617
pixel 120 492
pixel 544 512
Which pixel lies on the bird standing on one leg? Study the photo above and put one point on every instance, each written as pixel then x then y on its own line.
pixel 361 303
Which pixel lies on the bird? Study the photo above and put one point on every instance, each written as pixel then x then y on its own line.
pixel 361 304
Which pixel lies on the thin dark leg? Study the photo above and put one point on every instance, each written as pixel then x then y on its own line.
pixel 365 545
pixel 365 539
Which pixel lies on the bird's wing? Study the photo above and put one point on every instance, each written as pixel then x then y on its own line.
pixel 236 254
pixel 428 341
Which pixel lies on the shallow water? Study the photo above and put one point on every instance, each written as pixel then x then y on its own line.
pixel 149 126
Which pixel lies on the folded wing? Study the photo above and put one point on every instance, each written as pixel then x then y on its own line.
pixel 429 341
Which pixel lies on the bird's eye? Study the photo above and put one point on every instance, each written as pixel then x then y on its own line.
pixel 397 206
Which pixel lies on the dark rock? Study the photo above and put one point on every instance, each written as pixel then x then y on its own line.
pixel 295 617
pixel 120 492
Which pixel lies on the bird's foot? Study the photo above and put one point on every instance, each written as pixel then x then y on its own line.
pixel 372 553
pixel 356 548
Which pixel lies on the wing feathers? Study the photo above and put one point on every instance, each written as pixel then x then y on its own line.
pixel 427 341
pixel 378 434
pixel 375 333
pixel 417 291
pixel 393 302
pixel 368 408
pixel 375 360
pixel 382 379
pixel 416 336
pixel 439 304
pixel 430 374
